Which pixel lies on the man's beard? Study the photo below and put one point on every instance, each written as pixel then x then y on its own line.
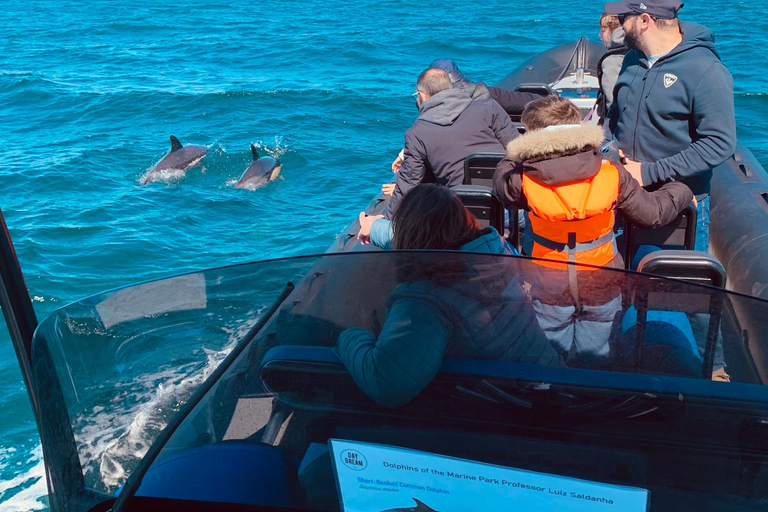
pixel 631 40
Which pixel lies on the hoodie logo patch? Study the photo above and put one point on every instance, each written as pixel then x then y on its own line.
pixel 669 79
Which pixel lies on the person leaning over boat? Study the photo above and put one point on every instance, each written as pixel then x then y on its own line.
pixel 555 171
pixel 450 127
pixel 513 102
pixel 673 115
pixel 465 307
pixel 609 65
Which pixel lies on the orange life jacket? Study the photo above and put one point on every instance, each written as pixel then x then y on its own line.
pixel 574 222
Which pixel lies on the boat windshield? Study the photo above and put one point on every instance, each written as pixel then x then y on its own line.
pixel 396 380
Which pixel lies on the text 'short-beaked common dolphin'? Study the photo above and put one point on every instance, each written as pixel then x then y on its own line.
pixel 261 170
pixel 178 160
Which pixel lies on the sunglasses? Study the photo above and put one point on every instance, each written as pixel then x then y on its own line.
pixel 624 17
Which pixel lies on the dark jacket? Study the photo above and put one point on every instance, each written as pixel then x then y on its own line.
pixel 677 117
pixel 608 69
pixel 450 127
pixel 569 155
pixel 484 315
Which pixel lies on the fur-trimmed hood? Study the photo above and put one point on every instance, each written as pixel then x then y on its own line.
pixel 561 156
pixel 564 140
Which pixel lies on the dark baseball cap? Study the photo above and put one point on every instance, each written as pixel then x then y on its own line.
pixel 663 9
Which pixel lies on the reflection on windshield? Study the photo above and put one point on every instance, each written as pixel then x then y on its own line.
pixel 578 372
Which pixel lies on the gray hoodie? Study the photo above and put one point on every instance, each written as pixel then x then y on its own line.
pixel 677 117
pixel 450 127
pixel 608 69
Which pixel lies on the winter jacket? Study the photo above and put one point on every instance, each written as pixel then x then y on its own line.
pixel 608 68
pixel 450 127
pixel 483 315
pixel 676 117
pixel 557 158
pixel 381 236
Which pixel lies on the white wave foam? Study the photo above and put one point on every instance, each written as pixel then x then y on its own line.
pixel 32 485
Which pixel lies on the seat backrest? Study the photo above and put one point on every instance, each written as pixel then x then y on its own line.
pixel 679 234
pixel 484 204
pixel 536 88
pixel 693 266
pixel 479 168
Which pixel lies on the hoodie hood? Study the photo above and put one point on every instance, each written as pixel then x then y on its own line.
pixel 445 107
pixel 559 157
pixel 617 39
pixel 489 242
pixel 694 36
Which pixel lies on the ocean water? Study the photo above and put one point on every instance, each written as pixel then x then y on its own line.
pixel 90 93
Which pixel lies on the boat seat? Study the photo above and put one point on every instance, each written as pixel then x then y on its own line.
pixel 483 203
pixel 536 88
pixel 313 378
pixel 478 170
pixel 678 234
pixel 225 472
pixel 656 301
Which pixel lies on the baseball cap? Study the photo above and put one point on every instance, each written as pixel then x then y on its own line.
pixel 663 9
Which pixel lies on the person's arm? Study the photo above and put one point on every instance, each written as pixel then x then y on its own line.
pixel 394 368
pixel 502 125
pixel 513 102
pixel 411 171
pixel 508 183
pixel 650 210
pixel 714 125
pixel 381 233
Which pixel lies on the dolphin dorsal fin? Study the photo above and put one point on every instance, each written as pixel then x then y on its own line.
pixel 255 153
pixel 175 144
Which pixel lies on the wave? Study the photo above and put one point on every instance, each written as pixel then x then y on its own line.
pixel 28 490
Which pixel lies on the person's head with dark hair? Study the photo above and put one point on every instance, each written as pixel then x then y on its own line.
pixel 548 111
pixel 432 217
pixel 431 81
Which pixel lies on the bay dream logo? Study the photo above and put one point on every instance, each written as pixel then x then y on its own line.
pixel 669 79
pixel 353 459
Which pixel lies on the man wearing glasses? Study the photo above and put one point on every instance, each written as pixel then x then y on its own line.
pixel 672 114
pixel 673 111
pixel 450 127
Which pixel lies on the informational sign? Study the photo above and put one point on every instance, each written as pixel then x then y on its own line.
pixel 379 478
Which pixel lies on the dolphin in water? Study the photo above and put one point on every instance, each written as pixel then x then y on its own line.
pixel 179 159
pixel 260 171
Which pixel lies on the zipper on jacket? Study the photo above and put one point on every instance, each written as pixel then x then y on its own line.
pixel 637 117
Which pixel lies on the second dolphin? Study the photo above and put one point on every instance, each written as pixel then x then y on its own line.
pixel 261 170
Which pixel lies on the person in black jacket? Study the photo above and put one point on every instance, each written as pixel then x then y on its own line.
pixel 513 102
pixel 450 127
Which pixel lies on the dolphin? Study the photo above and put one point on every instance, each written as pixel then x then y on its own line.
pixel 260 171
pixel 420 507
pixel 179 159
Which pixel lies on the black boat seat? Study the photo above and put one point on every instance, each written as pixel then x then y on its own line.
pixel 656 301
pixel 478 170
pixel 484 204
pixel 678 234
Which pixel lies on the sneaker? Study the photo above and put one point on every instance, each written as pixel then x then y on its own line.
pixel 720 375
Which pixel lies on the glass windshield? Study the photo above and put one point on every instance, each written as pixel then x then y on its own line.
pixel 509 364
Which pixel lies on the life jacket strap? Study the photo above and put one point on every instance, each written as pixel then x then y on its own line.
pixel 571 247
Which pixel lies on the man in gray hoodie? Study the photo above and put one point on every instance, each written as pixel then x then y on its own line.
pixel 673 111
pixel 450 127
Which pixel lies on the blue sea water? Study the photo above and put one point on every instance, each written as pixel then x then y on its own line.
pixel 91 91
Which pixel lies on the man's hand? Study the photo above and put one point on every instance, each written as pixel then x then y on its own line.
pixel 634 168
pixel 364 235
pixel 388 188
pixel 398 162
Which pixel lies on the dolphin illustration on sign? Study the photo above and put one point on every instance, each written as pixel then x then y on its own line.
pixel 178 160
pixel 420 507
pixel 261 170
